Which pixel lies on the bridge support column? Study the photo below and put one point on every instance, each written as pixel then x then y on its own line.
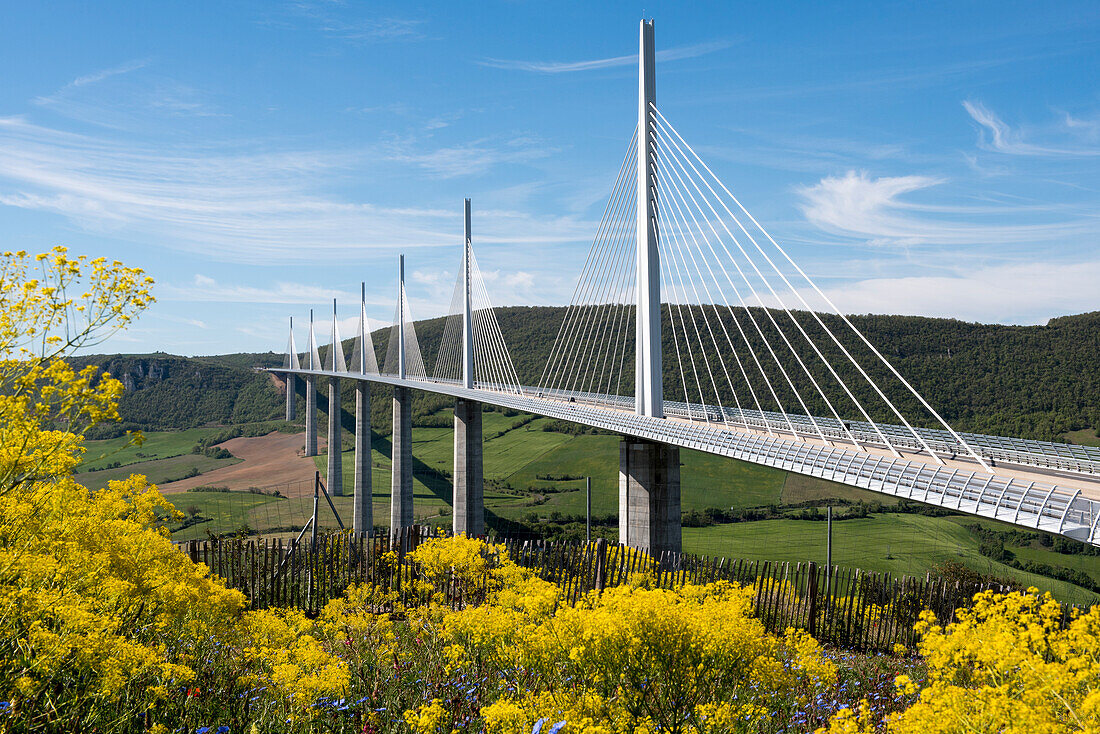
pixel 291 397
pixel 468 498
pixel 401 483
pixel 311 416
pixel 649 496
pixel 362 511
pixel 335 440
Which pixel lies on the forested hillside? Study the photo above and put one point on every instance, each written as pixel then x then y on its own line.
pixel 1030 381
pixel 169 392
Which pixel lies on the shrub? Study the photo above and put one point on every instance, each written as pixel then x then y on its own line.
pixel 1007 665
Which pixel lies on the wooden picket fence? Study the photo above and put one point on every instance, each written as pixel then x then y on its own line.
pixel 849 608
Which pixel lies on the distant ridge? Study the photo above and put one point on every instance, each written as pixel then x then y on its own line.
pixel 1027 381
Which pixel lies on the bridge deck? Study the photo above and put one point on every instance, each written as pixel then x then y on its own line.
pixel 1021 492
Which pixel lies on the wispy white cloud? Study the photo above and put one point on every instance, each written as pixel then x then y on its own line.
pixel 433 278
pixel 345 21
pixel 203 288
pixel 997 136
pixel 472 158
pixel 118 99
pixel 875 209
pixel 250 202
pixel 185 320
pixel 348 327
pixel 559 67
pixel 98 76
pixel 1018 293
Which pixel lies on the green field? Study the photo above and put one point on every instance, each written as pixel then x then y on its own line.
pixel 158 471
pixel 1083 437
pixel 230 510
pixel 895 543
pixel 164 456
pixel 157 445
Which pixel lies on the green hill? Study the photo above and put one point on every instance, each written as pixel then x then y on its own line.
pixel 166 392
pixel 1027 381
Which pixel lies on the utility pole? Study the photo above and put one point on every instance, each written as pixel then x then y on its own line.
pixel 588 509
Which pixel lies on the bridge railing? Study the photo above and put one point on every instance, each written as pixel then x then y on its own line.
pixel 1026 452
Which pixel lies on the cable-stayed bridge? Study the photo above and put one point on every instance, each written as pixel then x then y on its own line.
pixel 690 327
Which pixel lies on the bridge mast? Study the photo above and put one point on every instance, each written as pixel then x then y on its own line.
pixel 648 392
pixel 401 477
pixel 401 316
pixel 467 313
pixel 468 496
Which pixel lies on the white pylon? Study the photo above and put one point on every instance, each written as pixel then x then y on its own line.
pixel 292 361
pixel 364 360
pixel 314 355
pixel 467 312
pixel 648 391
pixel 401 316
pixel 336 362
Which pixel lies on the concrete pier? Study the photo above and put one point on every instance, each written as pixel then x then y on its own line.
pixel 311 416
pixel 291 398
pixel 362 510
pixel 468 498
pixel 335 474
pixel 401 483
pixel 649 496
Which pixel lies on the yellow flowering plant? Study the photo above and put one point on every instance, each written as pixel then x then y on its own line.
pixel 1007 664
pixel 676 660
pixel 100 617
pixel 51 305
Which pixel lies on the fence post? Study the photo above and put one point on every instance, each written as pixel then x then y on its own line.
pixel 601 563
pixel 812 622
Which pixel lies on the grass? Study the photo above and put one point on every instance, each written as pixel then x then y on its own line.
pixel 705 480
pixel 221 510
pixel 894 543
pixel 1083 437
pixel 157 445
pixel 158 471
pixel 798 488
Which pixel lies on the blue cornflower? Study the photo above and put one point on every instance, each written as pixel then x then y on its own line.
pixel 223 729
pixel 202 730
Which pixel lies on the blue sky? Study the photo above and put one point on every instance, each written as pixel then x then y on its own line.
pixel 260 158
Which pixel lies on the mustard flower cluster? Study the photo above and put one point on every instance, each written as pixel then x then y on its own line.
pixel 50 305
pixel 1006 665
